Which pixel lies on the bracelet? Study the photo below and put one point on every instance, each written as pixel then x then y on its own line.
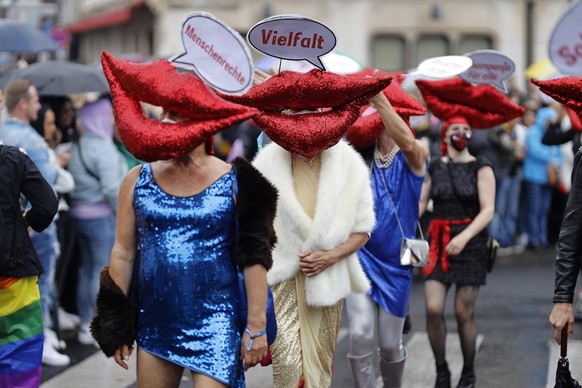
pixel 253 336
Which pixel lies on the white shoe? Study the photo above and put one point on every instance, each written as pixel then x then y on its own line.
pixel 85 338
pixel 51 339
pixel 51 357
pixel 68 321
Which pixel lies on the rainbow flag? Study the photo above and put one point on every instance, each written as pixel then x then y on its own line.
pixel 21 332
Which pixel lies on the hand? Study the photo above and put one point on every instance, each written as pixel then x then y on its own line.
pixel 256 353
pixel 122 354
pixel 456 245
pixel 63 158
pixel 562 315
pixel 314 263
pixel 260 77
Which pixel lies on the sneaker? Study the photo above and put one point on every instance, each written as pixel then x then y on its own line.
pixel 68 321
pixel 51 339
pixel 85 338
pixel 51 357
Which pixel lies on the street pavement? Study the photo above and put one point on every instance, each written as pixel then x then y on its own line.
pixel 516 346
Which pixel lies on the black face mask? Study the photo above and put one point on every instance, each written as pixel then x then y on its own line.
pixel 460 141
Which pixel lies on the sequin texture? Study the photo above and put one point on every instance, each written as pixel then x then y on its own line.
pixel 185 282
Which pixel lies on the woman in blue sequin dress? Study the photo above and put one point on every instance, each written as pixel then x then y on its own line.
pixel 173 247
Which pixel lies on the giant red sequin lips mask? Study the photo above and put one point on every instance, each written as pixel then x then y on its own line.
pixel 158 83
pixel 369 126
pixel 309 134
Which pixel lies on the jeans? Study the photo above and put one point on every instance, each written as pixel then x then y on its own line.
pixel 96 238
pixel 46 245
pixel 504 223
pixel 538 201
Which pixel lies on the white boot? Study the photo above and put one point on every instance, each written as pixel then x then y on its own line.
pixel 51 339
pixel 84 337
pixel 68 321
pixel 363 371
pixel 51 357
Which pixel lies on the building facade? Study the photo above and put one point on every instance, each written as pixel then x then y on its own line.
pixel 388 34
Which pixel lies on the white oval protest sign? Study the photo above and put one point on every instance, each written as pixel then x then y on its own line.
pixel 292 37
pixel 444 67
pixel 566 42
pixel 489 67
pixel 217 53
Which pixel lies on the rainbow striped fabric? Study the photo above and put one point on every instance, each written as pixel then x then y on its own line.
pixel 21 332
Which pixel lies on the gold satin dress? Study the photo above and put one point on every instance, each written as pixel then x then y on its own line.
pixel 305 344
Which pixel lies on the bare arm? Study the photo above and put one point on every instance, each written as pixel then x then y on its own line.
pixel 123 253
pixel 486 188
pixel 313 263
pixel 415 151
pixel 256 287
pixel 424 195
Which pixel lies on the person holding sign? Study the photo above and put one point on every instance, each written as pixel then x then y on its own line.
pixel 324 215
pixel 171 283
pixel 398 164
pixel 462 188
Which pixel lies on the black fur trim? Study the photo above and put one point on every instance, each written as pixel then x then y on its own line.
pixel 115 323
pixel 256 208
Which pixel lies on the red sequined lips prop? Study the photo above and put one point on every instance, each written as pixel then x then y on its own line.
pixel 311 133
pixel 369 126
pixel 158 83
pixel 482 106
pixel 567 90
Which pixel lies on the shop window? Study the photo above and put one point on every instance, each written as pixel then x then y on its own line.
pixel 470 43
pixel 388 52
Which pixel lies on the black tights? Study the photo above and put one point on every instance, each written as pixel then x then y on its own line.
pixel 465 298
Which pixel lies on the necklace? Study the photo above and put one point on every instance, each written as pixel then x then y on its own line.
pixel 384 161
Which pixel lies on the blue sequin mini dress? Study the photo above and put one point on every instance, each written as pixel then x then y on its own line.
pixel 184 280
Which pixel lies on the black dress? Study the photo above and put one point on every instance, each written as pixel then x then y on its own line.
pixel 469 268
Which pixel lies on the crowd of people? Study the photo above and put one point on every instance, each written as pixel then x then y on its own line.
pixel 129 253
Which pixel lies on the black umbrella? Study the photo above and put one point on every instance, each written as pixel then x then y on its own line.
pixel 60 78
pixel 23 37
pixel 563 376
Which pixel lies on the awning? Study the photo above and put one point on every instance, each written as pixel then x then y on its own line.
pixel 104 20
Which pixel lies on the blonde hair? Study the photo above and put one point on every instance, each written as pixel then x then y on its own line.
pixel 16 91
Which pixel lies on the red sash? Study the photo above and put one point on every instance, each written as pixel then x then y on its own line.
pixel 439 233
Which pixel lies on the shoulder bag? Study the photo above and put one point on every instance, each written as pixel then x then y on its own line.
pixel 413 252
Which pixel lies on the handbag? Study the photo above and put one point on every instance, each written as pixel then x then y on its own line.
pixel 271 327
pixel 413 252
pixel 492 246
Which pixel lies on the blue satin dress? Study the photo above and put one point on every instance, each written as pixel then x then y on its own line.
pixel 380 257
pixel 184 279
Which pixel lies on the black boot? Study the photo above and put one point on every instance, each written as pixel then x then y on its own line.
pixel 443 377
pixel 468 378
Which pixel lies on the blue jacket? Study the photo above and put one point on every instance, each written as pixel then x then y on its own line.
pixel 20 134
pixel 537 154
